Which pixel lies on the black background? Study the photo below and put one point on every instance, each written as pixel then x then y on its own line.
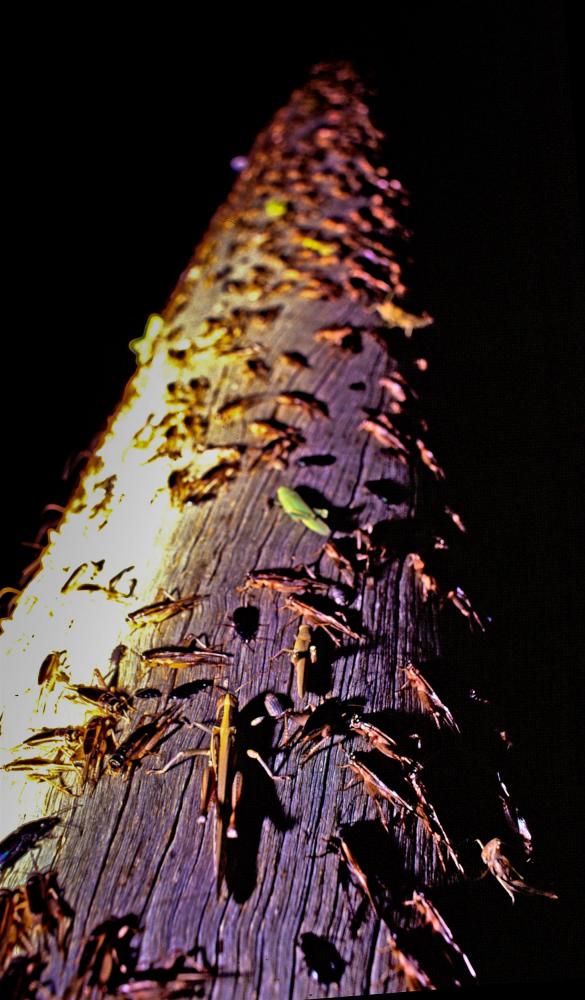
pixel 118 153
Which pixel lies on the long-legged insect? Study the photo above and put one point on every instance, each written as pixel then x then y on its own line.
pixel 379 740
pixel 502 869
pixel 375 786
pixel 430 915
pixel 106 699
pixel 428 697
pixel 142 741
pixel 303 653
pixel 330 623
pixel 222 781
pixel 178 658
pixel 161 610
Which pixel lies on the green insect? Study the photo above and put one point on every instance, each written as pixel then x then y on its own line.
pixel 296 508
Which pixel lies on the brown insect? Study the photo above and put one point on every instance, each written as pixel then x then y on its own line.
pixel 428 698
pixel 143 741
pixel 162 610
pixel 108 958
pixel 431 917
pixel 49 913
pixel 305 401
pixel 107 699
pixel 180 658
pixel 415 978
pixel 334 334
pixel 330 623
pixel 502 869
pixel 460 600
pixel 393 315
pixel 303 653
pixel 374 785
pixel 378 739
pixel 429 460
pixel 383 431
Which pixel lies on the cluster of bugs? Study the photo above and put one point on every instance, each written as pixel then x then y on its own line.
pixel 321 223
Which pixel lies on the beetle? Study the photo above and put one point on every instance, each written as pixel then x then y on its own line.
pixel 23 839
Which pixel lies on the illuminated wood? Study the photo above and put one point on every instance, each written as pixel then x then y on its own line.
pixel 308 241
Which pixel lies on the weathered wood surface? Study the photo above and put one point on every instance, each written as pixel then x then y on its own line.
pixel 134 846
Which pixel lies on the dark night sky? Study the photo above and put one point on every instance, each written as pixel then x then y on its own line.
pixel 119 155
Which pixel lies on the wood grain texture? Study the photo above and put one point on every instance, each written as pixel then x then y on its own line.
pixel 134 845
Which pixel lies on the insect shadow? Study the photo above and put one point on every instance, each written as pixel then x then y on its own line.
pixel 338 518
pixel 259 802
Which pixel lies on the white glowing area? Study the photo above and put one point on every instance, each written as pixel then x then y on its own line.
pixel 122 518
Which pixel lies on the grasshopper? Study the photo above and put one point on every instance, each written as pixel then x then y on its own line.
pixel 303 652
pixel 317 618
pixel 428 698
pixel 46 909
pixel 431 917
pixel 142 741
pixel 161 610
pixel 293 504
pixel 374 785
pixel 222 780
pixel 379 740
pixel 501 868
pixel 178 658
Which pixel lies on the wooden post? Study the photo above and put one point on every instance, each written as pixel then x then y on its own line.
pixel 291 305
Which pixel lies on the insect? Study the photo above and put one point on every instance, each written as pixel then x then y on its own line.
pixel 142 741
pixel 23 839
pixel 501 868
pixel 179 658
pixel 162 610
pixel 185 977
pixel 107 958
pixel 97 743
pixel 431 917
pixel 318 618
pixel 379 740
pixel 106 699
pixel 222 780
pixel 514 819
pixel 39 769
pixel 334 335
pixel 355 869
pixel 303 653
pixel 384 432
pixel 295 359
pixel 49 909
pixel 375 786
pixel 21 979
pixel 428 698
pixel 429 460
pixel 305 401
pixel 70 736
pixel 460 600
pixel 287 582
pixel 394 316
pixel 415 978
pixel 52 670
